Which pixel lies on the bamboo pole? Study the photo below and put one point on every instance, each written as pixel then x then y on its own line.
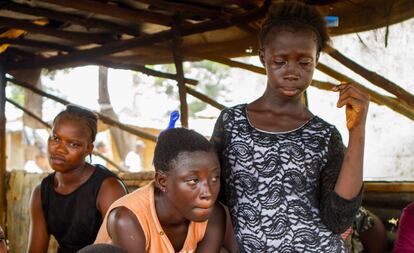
pixel 31 114
pixel 105 119
pixel 204 98
pixel 178 61
pixel 3 154
pixel 372 77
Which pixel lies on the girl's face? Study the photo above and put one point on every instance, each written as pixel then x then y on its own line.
pixel 290 58
pixel 193 184
pixel 68 144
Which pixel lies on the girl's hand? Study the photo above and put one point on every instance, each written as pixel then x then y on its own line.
pixel 356 102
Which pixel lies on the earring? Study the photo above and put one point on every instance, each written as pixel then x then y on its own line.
pixel 163 189
pixel 90 158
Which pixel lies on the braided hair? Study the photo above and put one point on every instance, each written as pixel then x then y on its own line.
pixel 81 114
pixel 294 16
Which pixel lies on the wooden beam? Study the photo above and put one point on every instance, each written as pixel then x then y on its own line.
pixel 184 9
pixel 37 44
pixel 107 120
pixel 399 187
pixel 373 77
pixel 31 114
pixel 204 98
pixel 3 147
pixel 144 40
pixel 71 36
pixel 143 69
pixel 110 161
pixel 391 103
pixel 133 15
pixel 87 22
pixel 178 61
pixel 236 64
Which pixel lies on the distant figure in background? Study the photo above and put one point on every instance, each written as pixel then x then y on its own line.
pixel 3 246
pixel 39 165
pixel 101 149
pixel 133 158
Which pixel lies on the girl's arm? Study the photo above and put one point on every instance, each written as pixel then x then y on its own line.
pixel 111 190
pixel 125 230
pixel 341 178
pixel 38 234
pixel 213 238
pixel 349 182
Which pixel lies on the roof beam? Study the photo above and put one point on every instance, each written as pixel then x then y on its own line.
pixel 71 36
pixel 75 19
pixel 143 69
pixel 37 44
pixel 114 11
pixel 204 98
pixel 144 40
pixel 183 8
pixel 107 120
pixel 373 77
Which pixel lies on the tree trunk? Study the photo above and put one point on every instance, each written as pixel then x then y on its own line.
pixel 120 138
pixel 31 100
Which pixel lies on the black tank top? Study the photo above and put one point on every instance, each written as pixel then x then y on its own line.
pixel 73 219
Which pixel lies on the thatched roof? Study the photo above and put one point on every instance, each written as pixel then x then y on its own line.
pixel 127 33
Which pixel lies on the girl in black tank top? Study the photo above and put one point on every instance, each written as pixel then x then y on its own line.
pixel 70 203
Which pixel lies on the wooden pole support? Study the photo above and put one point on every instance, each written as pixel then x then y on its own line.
pixel 3 154
pixel 373 77
pixel 178 61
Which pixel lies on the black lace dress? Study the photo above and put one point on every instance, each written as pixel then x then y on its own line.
pixel 279 187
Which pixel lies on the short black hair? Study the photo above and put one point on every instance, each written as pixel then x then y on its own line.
pixel 102 248
pixel 174 141
pixel 80 114
pixel 297 16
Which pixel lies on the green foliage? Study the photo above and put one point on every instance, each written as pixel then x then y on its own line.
pixel 52 73
pixel 17 94
pixel 212 78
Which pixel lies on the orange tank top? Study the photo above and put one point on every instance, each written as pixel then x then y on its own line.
pixel 141 203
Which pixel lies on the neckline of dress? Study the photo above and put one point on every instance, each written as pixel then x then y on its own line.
pixel 274 132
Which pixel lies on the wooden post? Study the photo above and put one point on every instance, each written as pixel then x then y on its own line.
pixel 105 119
pixel 3 142
pixel 373 77
pixel 178 60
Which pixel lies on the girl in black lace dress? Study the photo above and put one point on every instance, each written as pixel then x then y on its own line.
pixel 289 182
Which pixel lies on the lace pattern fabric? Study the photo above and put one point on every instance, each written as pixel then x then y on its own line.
pixel 279 187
